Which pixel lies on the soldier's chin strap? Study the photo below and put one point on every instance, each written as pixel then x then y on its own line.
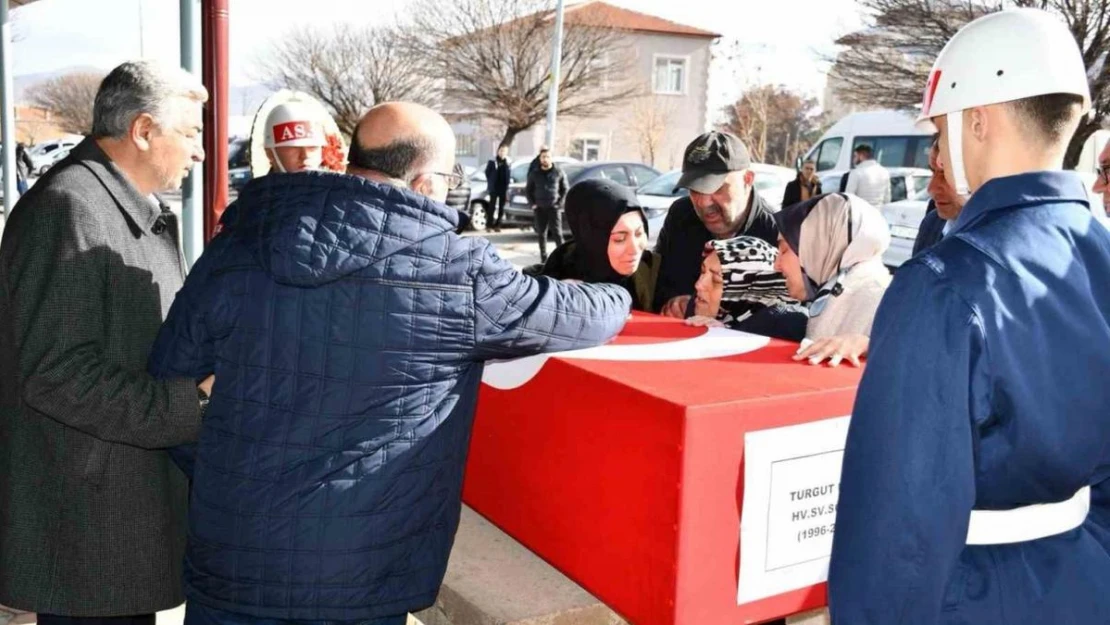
pixel 275 161
pixel 956 152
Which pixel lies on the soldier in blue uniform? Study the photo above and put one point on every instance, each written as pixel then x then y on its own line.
pixel 975 484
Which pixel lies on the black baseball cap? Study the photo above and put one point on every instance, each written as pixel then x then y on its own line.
pixel 710 159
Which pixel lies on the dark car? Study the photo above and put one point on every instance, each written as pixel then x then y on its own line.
pixel 238 163
pixel 631 175
pixel 459 199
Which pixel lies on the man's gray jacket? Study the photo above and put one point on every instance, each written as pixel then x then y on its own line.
pixel 92 510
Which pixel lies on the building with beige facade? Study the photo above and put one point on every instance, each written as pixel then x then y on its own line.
pixel 669 71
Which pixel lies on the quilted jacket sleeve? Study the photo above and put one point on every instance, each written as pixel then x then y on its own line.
pixel 184 347
pixel 518 316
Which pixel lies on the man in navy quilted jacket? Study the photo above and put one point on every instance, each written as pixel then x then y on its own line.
pixel 347 325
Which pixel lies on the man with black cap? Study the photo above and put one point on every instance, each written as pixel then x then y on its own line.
pixel 722 204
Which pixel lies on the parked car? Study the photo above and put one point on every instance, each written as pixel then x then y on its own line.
pixel 905 182
pixel 238 163
pixel 631 175
pixel 771 181
pixel 479 193
pixel 657 196
pixel 459 199
pixel 51 157
pixel 904 218
pixel 44 155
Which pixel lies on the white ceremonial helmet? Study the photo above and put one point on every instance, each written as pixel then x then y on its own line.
pixel 294 124
pixel 1001 57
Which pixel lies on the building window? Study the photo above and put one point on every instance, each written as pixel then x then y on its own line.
pixel 586 150
pixel 465 145
pixel 670 75
pixel 597 68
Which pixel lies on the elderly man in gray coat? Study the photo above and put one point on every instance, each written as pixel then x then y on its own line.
pixel 91 507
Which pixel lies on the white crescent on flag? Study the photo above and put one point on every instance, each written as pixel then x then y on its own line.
pixel 715 343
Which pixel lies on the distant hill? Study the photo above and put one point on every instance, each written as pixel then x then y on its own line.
pixel 246 99
pixel 22 83
pixel 242 100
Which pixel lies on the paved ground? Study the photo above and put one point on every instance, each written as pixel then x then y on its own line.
pixel 169 617
pixel 519 247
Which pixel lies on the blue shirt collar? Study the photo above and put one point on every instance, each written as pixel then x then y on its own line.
pixel 1032 189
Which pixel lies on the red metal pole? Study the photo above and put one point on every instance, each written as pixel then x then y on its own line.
pixel 214 27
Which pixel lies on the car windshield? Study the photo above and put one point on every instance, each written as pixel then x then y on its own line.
pixel 663 186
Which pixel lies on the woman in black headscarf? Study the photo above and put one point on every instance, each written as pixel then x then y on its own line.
pixel 740 289
pixel 610 242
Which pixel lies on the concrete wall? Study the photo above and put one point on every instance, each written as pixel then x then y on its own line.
pixel 485 136
pixel 34 125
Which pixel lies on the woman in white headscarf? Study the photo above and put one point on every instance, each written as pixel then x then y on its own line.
pixel 830 251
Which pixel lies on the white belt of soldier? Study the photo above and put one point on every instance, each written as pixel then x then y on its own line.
pixel 1001 527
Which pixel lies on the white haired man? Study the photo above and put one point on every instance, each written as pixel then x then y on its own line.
pixel 92 511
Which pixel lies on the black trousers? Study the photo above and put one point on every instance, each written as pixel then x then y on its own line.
pixel 548 221
pixel 495 210
pixel 48 619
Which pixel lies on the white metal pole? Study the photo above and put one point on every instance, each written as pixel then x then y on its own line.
pixel 556 63
pixel 142 41
pixel 192 190
pixel 7 109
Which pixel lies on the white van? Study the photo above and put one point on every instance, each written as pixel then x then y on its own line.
pixel 891 134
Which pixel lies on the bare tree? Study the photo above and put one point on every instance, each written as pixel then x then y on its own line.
pixel 749 119
pixel 775 123
pixel 494 59
pixel 69 98
pixel 648 120
pixel 348 68
pixel 888 64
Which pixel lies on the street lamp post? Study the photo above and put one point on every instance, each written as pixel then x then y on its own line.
pixel 556 62
pixel 142 40
pixel 7 123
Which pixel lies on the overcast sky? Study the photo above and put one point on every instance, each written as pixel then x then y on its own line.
pixel 785 39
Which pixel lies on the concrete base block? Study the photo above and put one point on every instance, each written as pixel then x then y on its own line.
pixel 11 616
pixel 494 580
pixel 817 617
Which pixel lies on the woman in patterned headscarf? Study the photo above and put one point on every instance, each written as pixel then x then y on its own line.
pixel 740 289
pixel 830 251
